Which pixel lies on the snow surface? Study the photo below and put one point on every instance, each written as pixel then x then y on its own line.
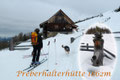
pixel 12 61
pixel 85 57
pixel 112 23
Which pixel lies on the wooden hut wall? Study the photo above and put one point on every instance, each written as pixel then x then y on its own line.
pixel 58 22
pixel 59 27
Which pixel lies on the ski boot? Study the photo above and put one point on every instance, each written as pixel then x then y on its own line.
pixel 32 64
pixel 37 63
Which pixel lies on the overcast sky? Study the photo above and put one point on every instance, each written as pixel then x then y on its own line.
pixel 25 15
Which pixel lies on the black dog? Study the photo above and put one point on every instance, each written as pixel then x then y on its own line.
pixel 66 48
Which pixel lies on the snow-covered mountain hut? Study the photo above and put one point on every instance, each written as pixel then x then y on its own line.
pixel 59 22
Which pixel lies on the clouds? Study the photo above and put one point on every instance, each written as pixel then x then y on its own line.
pixel 87 6
pixel 26 15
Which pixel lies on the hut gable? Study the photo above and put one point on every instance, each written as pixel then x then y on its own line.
pixel 59 22
pixel 60 17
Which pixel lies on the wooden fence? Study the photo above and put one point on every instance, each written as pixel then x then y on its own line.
pixel 88 47
pixel 13 46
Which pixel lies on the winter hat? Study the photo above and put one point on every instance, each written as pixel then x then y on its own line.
pixel 37 30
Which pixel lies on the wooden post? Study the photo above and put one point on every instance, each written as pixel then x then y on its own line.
pixel 11 46
pixel 87 46
pixel 72 39
pixel 98 56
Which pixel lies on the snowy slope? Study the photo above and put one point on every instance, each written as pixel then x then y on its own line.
pixel 12 61
pixel 109 18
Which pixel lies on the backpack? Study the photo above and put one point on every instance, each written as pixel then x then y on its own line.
pixel 34 38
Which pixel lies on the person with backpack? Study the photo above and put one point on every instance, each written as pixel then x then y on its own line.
pixel 37 44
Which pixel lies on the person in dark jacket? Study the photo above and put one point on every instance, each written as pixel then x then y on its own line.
pixel 37 48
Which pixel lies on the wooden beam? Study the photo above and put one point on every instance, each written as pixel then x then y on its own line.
pixel 21 48
pixel 24 46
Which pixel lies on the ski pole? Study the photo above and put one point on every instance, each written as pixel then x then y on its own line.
pixel 48 55
pixel 44 53
pixel 55 52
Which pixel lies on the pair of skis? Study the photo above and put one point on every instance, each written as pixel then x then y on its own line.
pixel 28 56
pixel 30 68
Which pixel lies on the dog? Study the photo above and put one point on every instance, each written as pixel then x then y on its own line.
pixel 66 48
